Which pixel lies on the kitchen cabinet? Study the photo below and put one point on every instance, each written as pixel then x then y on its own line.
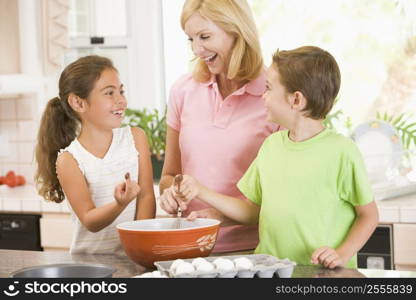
pixel 56 231
pixel 405 246
pixel 400 213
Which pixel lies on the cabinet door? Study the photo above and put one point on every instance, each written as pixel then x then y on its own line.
pixel 56 231
pixel 404 246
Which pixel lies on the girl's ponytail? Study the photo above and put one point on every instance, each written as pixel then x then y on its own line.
pixel 57 130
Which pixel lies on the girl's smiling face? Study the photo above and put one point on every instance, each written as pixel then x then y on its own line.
pixel 210 43
pixel 106 102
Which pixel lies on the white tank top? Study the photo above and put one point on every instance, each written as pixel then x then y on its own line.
pixel 102 175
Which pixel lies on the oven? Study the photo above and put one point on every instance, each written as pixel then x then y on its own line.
pixel 20 232
pixel 377 253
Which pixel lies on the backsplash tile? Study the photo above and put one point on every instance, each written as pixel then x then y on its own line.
pixel 13 156
pixel 26 131
pixel 6 167
pixel 28 171
pixel 26 106
pixel 8 109
pixel 19 122
pixel 26 152
pixel 10 128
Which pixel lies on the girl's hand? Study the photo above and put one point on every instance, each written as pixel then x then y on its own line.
pixel 188 190
pixel 125 192
pixel 328 257
pixel 168 201
pixel 211 213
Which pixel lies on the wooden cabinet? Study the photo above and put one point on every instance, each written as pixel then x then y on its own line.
pixel 404 246
pixel 56 231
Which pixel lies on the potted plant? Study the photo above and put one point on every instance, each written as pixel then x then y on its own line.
pixel 404 126
pixel 154 125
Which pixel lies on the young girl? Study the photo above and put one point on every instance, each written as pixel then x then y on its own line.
pixel 83 154
pixel 308 185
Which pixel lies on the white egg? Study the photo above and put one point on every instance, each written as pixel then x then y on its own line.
pixel 205 266
pixel 184 268
pixel 243 263
pixel 175 264
pixel 158 274
pixel 223 264
pixel 197 261
pixel 145 275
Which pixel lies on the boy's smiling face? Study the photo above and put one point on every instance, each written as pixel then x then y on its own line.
pixel 277 99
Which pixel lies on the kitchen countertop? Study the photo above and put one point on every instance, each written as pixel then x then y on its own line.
pixel 398 210
pixel 13 260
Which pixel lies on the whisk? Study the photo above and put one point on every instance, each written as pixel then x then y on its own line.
pixel 177 182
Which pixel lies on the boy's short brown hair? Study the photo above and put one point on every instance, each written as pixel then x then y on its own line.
pixel 313 72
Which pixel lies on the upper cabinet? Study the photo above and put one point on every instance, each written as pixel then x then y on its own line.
pixel 9 35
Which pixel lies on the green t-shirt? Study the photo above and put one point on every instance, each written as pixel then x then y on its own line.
pixel 307 192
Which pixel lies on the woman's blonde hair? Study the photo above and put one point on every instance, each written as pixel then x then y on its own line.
pixel 235 18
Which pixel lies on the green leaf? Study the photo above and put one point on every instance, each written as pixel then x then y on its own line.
pixel 153 124
pixel 398 119
pixel 404 127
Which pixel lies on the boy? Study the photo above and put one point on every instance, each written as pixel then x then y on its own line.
pixel 308 187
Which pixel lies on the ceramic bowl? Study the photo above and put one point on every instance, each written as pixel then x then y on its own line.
pixel 73 270
pixel 147 241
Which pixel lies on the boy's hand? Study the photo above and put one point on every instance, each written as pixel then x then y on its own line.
pixel 328 257
pixel 125 192
pixel 211 213
pixel 168 200
pixel 188 190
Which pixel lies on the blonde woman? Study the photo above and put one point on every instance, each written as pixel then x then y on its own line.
pixel 217 120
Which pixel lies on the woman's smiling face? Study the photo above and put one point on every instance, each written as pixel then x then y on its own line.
pixel 210 43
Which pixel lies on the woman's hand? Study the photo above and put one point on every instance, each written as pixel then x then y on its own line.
pixel 125 192
pixel 187 191
pixel 328 257
pixel 168 201
pixel 211 213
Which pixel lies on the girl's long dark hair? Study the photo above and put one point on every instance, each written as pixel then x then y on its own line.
pixel 60 124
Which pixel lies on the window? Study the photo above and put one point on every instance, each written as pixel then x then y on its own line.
pixel 373 42
pixel 128 32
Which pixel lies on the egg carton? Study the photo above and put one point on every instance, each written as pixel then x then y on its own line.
pixel 263 266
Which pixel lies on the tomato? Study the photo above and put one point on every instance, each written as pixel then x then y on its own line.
pixel 10 174
pixel 20 180
pixel 2 178
pixel 11 181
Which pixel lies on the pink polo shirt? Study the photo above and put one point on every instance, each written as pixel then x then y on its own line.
pixel 218 140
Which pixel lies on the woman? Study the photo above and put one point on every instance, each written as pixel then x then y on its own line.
pixel 216 116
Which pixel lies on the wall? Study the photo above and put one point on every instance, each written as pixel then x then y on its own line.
pixel 18 122
pixel 20 92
